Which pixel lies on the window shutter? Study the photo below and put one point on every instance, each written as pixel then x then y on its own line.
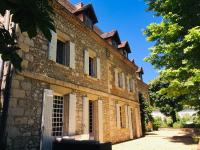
pixel 53 46
pixel 118 115
pixel 47 120
pixel 126 113
pixel 72 56
pixel 98 68
pixel 86 62
pixel 123 81
pixel 116 78
pixel 85 115
pixel 100 120
pixel 72 115
pixel 133 84
pixel 130 122
pixel 128 83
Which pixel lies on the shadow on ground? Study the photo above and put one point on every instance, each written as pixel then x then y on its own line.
pixel 185 139
pixel 150 133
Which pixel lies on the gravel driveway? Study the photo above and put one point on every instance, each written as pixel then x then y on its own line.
pixel 168 139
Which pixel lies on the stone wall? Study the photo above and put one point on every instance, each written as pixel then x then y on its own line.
pixel 24 115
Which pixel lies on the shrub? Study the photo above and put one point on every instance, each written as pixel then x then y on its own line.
pixel 169 122
pixel 157 122
pixel 196 121
pixel 177 125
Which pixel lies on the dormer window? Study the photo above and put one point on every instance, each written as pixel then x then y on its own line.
pixel 88 21
pixel 112 38
pixel 140 73
pixel 114 43
pixel 86 14
pixel 124 49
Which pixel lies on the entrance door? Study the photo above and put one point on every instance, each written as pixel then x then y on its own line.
pixel 91 120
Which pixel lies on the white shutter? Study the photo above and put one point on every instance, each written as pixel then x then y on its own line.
pixel 116 78
pixel 72 56
pixel 118 115
pixel 98 68
pixel 126 115
pixel 130 122
pixel 128 83
pixel 72 115
pixel 47 120
pixel 100 120
pixel 86 62
pixel 53 46
pixel 85 115
pixel 123 81
pixel 133 84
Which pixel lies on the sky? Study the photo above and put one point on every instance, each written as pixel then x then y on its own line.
pixel 130 19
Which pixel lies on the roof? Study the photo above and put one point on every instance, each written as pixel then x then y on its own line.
pixel 125 45
pixel 89 10
pixel 113 34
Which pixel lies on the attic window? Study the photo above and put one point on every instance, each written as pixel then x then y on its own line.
pixel 125 53
pixel 88 21
pixel 114 43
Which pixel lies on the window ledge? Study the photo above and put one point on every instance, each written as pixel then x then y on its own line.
pixel 90 77
pixel 60 65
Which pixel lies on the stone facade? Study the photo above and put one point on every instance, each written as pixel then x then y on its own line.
pixel 40 73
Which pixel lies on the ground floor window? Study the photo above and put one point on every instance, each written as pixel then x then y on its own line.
pixel 57 116
pixel 91 116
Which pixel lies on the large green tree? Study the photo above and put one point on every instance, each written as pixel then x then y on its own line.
pixel 177 47
pixel 169 106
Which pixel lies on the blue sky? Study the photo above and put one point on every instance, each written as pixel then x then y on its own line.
pixel 130 19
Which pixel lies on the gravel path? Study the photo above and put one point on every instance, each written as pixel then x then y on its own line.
pixel 168 139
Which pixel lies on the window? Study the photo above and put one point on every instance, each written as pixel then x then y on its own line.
pixel 140 76
pixel 125 53
pixel 114 43
pixel 121 118
pixel 92 67
pixel 88 21
pixel 57 116
pixel 90 117
pixel 63 50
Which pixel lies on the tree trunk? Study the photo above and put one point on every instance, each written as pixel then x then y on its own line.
pixel 173 115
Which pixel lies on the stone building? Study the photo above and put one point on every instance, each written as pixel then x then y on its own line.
pixel 81 85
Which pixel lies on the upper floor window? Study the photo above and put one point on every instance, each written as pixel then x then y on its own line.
pixel 92 67
pixel 62 54
pixel 62 50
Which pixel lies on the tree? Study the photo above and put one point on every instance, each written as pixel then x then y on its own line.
pixel 32 16
pixel 167 105
pixel 176 50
